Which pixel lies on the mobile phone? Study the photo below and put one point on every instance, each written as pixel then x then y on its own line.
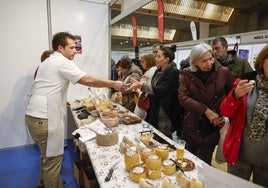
pixel 248 76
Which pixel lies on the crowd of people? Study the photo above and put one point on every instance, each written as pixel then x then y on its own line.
pixel 212 84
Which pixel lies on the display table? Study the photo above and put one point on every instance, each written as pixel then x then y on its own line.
pixel 103 157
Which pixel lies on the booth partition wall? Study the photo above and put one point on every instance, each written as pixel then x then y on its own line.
pixel 26 28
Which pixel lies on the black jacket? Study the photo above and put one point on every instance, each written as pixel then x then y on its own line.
pixel 166 95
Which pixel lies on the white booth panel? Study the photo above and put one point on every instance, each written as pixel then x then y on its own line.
pixel 24 36
pixel 90 21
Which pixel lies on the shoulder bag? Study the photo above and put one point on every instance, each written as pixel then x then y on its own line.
pixel 144 102
pixel 219 157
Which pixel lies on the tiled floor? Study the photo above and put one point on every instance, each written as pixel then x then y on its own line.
pixel 19 167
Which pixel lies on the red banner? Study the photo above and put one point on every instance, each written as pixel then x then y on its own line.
pixel 160 21
pixel 134 30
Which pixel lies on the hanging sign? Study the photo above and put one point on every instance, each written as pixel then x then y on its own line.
pixel 160 21
pixel 254 38
pixel 193 30
pixel 134 30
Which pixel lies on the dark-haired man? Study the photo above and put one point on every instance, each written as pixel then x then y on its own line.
pixel 156 47
pixel 227 58
pixel 47 105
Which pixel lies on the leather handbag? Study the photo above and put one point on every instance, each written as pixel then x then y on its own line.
pixel 144 102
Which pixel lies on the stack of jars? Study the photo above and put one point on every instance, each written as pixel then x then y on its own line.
pixel 132 165
pixel 154 161
pixel 168 166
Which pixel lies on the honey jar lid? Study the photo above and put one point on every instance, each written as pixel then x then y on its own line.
pixel 131 153
pixel 153 157
pixel 147 150
pixel 138 170
pixel 168 162
pixel 162 147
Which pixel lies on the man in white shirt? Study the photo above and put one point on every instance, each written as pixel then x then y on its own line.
pixel 47 105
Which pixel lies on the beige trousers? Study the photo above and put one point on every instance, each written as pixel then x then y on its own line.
pixel 50 166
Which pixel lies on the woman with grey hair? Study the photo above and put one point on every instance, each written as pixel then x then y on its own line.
pixel 203 85
pixel 196 53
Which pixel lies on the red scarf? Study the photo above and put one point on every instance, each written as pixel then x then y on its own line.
pixel 236 110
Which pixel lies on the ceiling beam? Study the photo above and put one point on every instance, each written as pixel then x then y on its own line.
pixel 131 9
pixel 173 15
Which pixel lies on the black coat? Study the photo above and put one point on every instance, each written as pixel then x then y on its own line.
pixel 166 94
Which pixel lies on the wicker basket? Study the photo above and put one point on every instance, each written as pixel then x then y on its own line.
pixel 109 119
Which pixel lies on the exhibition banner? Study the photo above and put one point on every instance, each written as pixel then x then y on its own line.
pixel 193 30
pixel 160 21
pixel 134 30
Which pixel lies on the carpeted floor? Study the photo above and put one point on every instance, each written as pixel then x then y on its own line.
pixel 19 167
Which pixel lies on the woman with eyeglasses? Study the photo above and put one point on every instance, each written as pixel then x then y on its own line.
pixel 203 85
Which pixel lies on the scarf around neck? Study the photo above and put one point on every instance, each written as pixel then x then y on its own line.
pixel 259 123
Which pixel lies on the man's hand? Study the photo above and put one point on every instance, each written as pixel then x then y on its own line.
pixel 117 85
pixel 135 85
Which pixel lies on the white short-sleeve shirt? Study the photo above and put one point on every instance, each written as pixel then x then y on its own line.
pixel 53 76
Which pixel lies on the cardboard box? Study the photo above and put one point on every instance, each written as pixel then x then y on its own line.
pixel 90 178
pixel 84 156
pixel 76 146
pixel 79 167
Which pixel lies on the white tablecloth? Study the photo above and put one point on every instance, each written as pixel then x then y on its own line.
pixel 103 157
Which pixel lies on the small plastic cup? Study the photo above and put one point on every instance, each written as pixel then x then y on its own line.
pixel 180 147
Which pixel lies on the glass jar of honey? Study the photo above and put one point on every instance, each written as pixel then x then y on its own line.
pixel 131 159
pixel 153 162
pixel 145 152
pixel 136 173
pixel 162 151
pixel 153 174
pixel 168 167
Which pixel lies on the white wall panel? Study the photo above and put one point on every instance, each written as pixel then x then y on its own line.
pixel 24 36
pixel 256 48
pixel 90 21
pixel 24 32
